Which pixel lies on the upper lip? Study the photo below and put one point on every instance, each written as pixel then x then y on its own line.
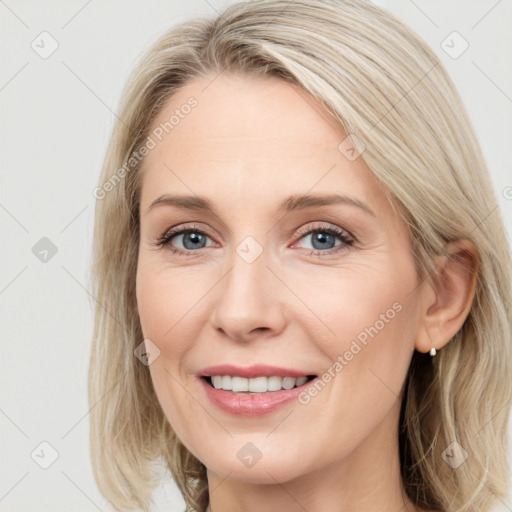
pixel 257 370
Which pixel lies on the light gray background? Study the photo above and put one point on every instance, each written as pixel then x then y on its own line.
pixel 57 114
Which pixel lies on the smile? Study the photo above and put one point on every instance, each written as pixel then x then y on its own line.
pixel 256 384
pixel 253 391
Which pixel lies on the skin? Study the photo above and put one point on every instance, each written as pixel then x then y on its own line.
pixel 250 143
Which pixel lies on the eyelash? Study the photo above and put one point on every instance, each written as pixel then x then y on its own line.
pixel 347 241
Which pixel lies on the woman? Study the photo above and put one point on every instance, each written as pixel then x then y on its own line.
pixel 303 281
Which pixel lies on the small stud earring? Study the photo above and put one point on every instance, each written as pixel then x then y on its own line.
pixel 433 351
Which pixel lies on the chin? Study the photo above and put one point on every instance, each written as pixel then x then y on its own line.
pixel 262 472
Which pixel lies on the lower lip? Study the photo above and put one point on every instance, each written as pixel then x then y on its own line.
pixel 257 404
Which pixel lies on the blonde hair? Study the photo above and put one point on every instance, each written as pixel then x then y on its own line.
pixel 386 87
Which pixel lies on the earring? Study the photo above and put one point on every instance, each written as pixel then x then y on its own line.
pixel 433 351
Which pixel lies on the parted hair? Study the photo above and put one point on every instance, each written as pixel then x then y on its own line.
pixel 389 91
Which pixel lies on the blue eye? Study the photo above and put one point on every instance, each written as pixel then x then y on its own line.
pixel 191 239
pixel 323 239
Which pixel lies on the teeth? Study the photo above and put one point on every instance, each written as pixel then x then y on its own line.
pixel 239 384
pixel 274 383
pixel 226 382
pixel 255 384
pixel 300 381
pixel 258 384
pixel 288 382
pixel 217 381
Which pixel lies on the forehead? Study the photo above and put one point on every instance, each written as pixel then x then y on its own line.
pixel 251 137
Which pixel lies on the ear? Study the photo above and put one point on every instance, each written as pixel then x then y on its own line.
pixel 447 300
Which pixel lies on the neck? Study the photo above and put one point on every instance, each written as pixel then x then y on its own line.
pixel 367 480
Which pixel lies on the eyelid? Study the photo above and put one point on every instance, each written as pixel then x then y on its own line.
pixel 325 226
pixel 188 226
pixel 347 238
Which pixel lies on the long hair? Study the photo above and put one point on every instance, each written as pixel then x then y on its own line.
pixel 387 89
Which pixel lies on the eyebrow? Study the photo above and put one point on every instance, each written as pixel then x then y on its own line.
pixel 291 203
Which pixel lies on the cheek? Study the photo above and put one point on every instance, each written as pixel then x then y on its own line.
pixel 368 302
pixel 368 322
pixel 368 362
pixel 166 298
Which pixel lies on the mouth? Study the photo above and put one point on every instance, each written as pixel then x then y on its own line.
pixel 253 391
pixel 257 385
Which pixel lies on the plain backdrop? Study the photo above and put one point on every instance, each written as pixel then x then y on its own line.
pixel 57 112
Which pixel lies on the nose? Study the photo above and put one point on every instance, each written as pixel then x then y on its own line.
pixel 249 301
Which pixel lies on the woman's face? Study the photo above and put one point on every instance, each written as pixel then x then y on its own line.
pixel 268 286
